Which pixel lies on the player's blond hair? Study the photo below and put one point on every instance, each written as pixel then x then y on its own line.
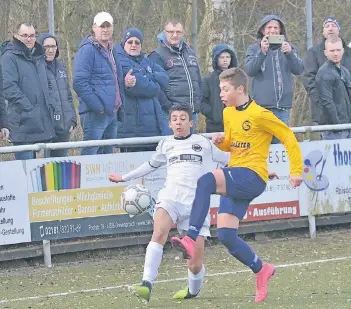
pixel 237 77
pixel 332 39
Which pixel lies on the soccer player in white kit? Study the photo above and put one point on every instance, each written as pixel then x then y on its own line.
pixel 186 156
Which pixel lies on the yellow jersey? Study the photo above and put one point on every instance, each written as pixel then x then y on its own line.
pixel 248 131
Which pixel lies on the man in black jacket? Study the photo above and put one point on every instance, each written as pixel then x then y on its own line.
pixel 314 59
pixel 60 92
pixel 26 90
pixel 333 85
pixel 179 60
pixel 4 121
pixel 223 58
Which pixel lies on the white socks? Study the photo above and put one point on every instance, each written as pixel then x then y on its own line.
pixel 195 281
pixel 153 258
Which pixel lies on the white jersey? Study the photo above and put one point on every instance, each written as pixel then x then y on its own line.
pixel 187 159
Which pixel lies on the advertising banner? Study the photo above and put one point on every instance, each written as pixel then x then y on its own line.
pixel 327 177
pixel 72 196
pixel 14 219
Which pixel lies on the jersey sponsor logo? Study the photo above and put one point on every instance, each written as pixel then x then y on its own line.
pixel 197 147
pixel 240 145
pixel 189 158
pixel 246 125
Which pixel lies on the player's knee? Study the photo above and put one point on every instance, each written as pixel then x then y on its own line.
pixel 159 236
pixel 207 183
pixel 228 237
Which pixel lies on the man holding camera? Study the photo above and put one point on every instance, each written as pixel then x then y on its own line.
pixel 270 62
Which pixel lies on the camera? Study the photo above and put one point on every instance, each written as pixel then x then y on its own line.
pixel 276 39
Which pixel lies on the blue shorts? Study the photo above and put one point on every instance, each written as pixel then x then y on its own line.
pixel 243 185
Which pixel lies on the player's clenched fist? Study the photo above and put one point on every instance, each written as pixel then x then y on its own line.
pixel 115 178
pixel 218 138
pixel 295 181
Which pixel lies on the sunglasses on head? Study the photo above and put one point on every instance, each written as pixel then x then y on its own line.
pixel 135 42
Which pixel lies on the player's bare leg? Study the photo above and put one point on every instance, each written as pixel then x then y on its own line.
pixel 154 252
pixel 196 272
pixel 227 228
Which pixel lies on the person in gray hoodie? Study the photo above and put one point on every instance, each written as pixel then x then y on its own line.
pixel 60 93
pixel 271 67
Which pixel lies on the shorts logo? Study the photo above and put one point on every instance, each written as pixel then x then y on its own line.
pixel 246 125
pixel 197 147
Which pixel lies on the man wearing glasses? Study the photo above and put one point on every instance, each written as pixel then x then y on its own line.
pixel 60 93
pixel 180 63
pixel 26 90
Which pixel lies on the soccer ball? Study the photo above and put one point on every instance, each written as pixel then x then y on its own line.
pixel 136 199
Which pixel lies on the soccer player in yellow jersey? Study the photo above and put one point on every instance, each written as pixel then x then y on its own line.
pixel 248 132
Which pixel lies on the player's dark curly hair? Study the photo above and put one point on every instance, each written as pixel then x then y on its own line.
pixel 180 108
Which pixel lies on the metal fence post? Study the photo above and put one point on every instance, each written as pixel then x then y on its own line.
pixel 312 226
pixel 46 243
pixel 47 253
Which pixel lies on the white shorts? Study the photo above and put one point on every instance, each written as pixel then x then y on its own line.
pixel 180 215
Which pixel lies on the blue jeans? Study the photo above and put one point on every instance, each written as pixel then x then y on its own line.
pixel 283 115
pixel 60 152
pixel 168 131
pixel 98 127
pixel 26 155
pixel 332 135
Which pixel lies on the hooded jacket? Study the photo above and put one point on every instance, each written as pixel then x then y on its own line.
pixel 60 93
pixel 211 103
pixel 94 81
pixel 26 89
pixel 142 110
pixel 184 87
pixel 271 73
pixel 313 60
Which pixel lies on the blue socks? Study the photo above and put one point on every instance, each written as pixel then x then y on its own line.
pixel 206 185
pixel 239 248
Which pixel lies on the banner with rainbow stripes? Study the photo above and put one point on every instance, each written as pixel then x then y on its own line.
pixel 56 175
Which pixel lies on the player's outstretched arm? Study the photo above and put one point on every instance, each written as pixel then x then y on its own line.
pixel 140 171
pixel 270 123
pixel 157 160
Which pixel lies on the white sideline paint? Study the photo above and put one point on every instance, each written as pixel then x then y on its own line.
pixel 68 293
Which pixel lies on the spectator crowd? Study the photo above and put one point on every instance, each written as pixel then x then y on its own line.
pixel 123 92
